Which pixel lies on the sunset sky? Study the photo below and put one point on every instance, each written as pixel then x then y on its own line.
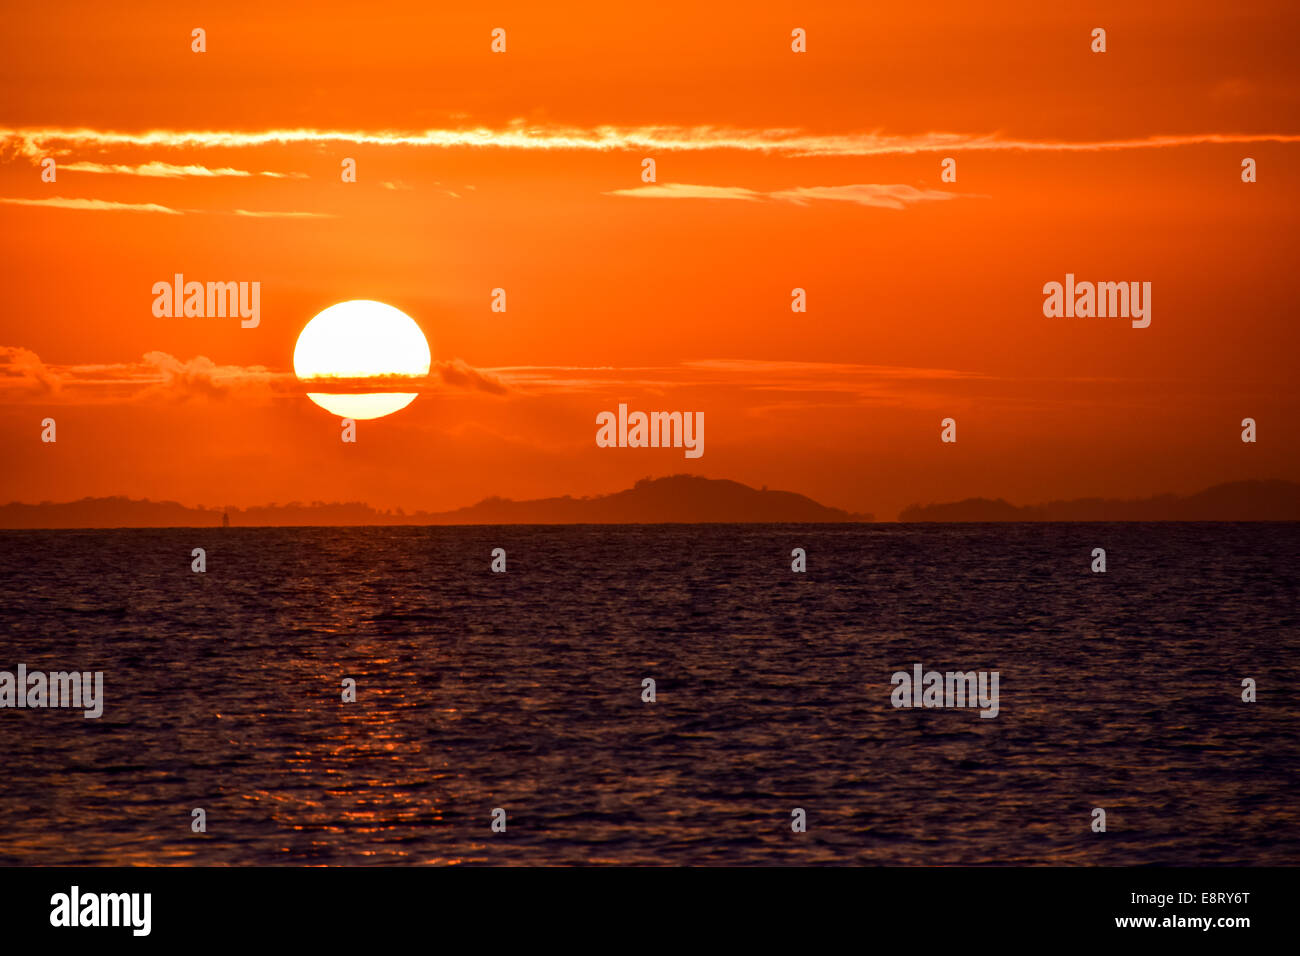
pixel 775 170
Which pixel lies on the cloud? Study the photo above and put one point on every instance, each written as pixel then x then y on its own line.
pixel 24 374
pixel 885 196
pixel 23 369
pixel 779 367
pixel 265 214
pixel 36 142
pixel 200 377
pixel 846 382
pixel 160 375
pixel 103 205
pixel 687 191
pixel 765 386
pixel 459 373
pixel 160 170
pixel 98 205
pixel 454 372
pixel 762 388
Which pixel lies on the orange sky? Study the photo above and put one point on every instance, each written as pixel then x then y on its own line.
pixel 666 302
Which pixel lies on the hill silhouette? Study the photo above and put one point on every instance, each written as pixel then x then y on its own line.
pixel 1272 500
pixel 674 499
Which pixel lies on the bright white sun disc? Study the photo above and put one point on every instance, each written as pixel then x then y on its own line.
pixel 361 338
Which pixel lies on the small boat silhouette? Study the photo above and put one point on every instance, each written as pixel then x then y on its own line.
pixel 225 520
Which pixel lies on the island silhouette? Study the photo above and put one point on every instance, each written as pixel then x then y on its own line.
pixel 1272 500
pixel 674 499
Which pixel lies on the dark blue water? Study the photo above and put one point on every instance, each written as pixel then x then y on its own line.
pixel 523 691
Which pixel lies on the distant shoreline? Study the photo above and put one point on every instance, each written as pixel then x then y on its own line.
pixel 672 500
pixel 653 524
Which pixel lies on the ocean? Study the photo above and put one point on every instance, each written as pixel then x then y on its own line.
pixel 522 690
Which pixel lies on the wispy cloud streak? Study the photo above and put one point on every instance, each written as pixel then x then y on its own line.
pixel 104 205
pixel 882 195
pixel 160 170
pixel 272 214
pixel 161 375
pixel 93 205
pixel 40 141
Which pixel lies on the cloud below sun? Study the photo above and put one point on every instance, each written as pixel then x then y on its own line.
pixel 24 375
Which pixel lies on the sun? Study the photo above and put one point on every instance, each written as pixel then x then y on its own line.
pixel 361 339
